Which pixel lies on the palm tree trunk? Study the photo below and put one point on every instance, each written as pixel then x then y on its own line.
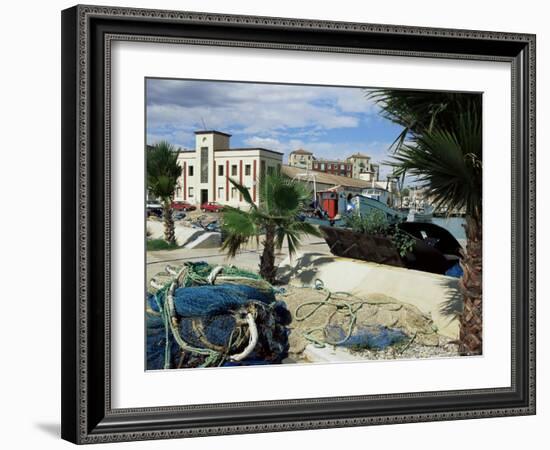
pixel 268 270
pixel 169 232
pixel 471 318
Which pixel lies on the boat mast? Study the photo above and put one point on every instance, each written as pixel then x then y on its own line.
pixel 307 176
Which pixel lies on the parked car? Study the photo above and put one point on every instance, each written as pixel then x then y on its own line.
pixel 183 206
pixel 178 215
pixel 213 226
pixel 154 209
pixel 211 207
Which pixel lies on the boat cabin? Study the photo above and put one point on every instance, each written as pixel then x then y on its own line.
pixel 379 194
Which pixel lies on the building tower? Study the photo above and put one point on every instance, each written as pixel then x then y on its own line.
pixel 206 143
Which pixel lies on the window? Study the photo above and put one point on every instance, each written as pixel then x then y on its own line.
pixel 220 192
pixel 190 171
pixel 270 170
pixel 233 192
pixel 204 164
pixel 220 170
pixel 234 170
pixel 323 166
pixel 190 192
pixel 247 169
pixel 262 168
pixel 278 168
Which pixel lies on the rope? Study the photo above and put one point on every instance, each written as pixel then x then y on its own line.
pixel 215 272
pixel 405 347
pixel 174 323
pixel 348 308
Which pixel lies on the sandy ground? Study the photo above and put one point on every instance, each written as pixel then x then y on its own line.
pixel 311 311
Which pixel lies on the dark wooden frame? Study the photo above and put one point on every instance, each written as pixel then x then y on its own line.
pixel 87 31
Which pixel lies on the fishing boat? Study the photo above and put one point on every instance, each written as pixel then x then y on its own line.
pixel 435 250
pixel 376 199
pixel 333 206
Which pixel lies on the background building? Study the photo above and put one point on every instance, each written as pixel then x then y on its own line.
pixel 301 158
pixel 333 166
pixel 362 168
pixel 206 170
pixel 357 166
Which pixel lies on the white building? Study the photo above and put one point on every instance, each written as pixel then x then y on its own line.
pixel 207 169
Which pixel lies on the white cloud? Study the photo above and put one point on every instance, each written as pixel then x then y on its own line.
pixel 252 109
pixel 354 101
pixel 270 143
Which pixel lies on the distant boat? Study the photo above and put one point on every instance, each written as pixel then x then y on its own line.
pixel 421 214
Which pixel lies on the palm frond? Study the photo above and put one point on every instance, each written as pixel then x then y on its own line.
pixel 243 190
pixel 233 243
pixel 447 163
pixel 163 169
pixel 240 227
pixel 281 196
pixel 293 232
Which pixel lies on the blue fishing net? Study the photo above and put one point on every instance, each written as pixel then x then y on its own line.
pixel 371 337
pixel 156 344
pixel 208 300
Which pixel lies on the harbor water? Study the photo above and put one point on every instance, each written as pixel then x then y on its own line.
pixel 454 225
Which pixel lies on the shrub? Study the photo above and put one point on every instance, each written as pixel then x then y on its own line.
pixel 160 244
pixel 377 224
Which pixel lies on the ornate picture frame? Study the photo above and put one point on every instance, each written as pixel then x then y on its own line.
pixel 87 35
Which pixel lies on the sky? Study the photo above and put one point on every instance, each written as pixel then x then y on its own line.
pixel 331 122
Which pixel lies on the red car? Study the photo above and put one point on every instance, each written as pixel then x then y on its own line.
pixel 211 207
pixel 183 206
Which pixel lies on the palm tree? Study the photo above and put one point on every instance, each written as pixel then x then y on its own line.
pixel 442 147
pixel 281 199
pixel 163 172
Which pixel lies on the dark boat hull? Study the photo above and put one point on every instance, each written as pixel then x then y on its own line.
pixel 350 244
pixel 435 250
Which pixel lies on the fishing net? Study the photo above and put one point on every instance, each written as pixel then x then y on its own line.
pixel 375 337
pixel 357 322
pixel 204 316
